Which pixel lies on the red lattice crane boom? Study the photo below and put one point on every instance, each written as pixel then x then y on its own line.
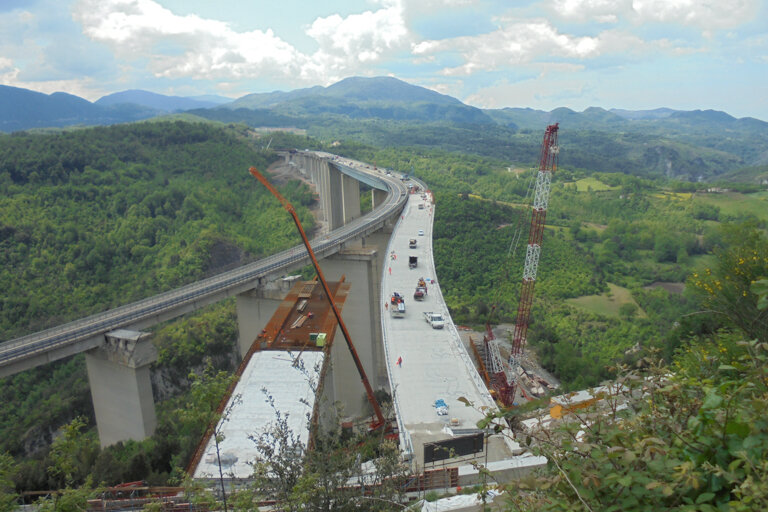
pixel 504 374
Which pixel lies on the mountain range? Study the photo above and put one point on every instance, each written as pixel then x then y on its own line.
pixel 712 140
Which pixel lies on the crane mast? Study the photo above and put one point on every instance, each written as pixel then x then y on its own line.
pixel 504 373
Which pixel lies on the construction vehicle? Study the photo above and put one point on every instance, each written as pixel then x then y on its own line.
pixel 380 421
pixel 413 261
pixel 436 320
pixel 421 289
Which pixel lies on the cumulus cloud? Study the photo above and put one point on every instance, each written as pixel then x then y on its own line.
pixel 516 42
pixel 191 46
pixel 187 46
pixel 8 72
pixel 348 44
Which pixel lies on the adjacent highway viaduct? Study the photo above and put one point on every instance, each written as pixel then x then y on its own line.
pixel 118 356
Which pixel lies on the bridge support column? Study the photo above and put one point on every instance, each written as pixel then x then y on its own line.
pixel 362 316
pixel 350 198
pixel 118 372
pixel 255 309
pixel 378 197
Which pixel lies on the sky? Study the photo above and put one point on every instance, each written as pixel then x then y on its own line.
pixel 541 54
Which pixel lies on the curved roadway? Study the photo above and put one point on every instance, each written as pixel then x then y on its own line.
pixel 124 316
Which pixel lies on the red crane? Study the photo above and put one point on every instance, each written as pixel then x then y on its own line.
pixel 504 373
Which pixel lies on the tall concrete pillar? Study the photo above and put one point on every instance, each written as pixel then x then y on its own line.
pixel 255 309
pixel 361 315
pixel 336 198
pixel 118 372
pixel 350 196
pixel 378 197
pixel 319 172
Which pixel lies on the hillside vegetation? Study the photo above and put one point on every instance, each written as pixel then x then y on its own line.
pixel 98 217
pixel 92 219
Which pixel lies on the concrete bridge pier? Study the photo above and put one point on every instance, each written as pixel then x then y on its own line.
pixel 362 316
pixel 378 197
pixel 255 309
pixel 118 373
pixel 339 193
pixel 349 197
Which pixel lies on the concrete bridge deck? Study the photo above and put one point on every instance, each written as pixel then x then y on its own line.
pixel 435 364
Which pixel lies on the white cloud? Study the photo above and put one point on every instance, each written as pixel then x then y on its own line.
pixel 8 72
pixel 187 46
pixel 706 15
pixel 602 11
pixel 348 44
pixel 82 87
pixel 190 46
pixel 516 42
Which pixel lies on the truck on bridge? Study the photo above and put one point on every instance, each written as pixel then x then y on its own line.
pixel 436 320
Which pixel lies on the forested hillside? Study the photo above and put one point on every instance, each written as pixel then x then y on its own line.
pixel 96 218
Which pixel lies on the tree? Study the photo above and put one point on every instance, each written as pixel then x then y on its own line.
pixel 690 436
pixel 726 288
pixel 8 497
pixel 628 310
pixel 689 441
pixel 72 454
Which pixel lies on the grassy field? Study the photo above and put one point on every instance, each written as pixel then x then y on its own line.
pixel 587 184
pixel 608 303
pixel 733 203
pixel 680 196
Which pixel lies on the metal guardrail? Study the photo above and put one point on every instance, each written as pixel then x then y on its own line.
pixel 58 337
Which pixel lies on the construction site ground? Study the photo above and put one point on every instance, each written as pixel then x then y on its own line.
pixel 528 361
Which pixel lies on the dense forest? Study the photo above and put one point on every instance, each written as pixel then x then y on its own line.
pixel 94 218
pixel 98 217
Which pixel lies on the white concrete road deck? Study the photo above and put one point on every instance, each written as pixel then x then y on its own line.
pixel 435 364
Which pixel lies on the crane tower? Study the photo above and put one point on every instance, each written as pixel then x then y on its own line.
pixel 504 374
